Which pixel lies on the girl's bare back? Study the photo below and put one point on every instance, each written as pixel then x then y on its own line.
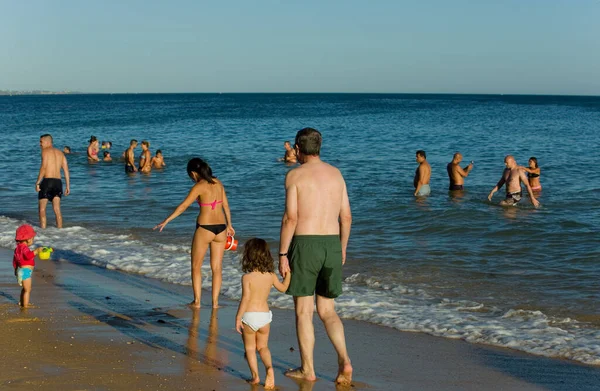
pixel 259 286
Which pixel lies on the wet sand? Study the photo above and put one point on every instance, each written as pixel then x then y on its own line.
pixel 97 329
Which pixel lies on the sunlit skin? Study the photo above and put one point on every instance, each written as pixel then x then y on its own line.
pixel 290 153
pixel 422 174
pixel 534 181
pixel 456 173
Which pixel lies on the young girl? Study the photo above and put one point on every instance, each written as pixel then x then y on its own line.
pixel 253 317
pixel 24 261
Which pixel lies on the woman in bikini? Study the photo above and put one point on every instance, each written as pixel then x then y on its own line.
pixel 533 174
pixel 213 225
pixel 92 150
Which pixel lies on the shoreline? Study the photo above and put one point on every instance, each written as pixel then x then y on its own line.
pixel 103 328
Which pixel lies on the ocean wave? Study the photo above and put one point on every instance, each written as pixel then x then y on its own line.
pixel 365 297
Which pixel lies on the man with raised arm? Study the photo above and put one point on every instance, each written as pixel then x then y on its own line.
pixel 513 175
pixel 314 235
pixel 49 183
pixel 456 173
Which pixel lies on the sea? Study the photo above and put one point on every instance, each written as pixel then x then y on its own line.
pixel 450 265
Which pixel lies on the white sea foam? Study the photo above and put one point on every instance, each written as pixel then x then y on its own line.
pixel 365 298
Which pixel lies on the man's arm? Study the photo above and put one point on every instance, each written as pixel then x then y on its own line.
pixel 421 170
pixel 498 186
pixel 65 168
pixel 345 222
pixel 523 179
pixel 288 223
pixel 41 173
pixel 464 172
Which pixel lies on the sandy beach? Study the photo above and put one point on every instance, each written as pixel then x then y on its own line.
pixel 97 329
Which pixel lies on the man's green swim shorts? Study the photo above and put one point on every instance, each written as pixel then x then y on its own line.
pixel 316 265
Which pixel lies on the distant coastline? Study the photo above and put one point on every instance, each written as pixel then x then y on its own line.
pixel 37 92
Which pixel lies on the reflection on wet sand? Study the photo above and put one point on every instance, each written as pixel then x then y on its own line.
pixel 211 349
pixel 212 353
pixel 192 363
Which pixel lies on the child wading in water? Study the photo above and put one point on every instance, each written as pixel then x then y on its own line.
pixel 253 317
pixel 24 261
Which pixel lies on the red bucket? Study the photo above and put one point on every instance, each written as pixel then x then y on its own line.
pixel 231 243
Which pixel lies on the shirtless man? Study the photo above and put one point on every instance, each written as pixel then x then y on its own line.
pixel 130 157
pixel 145 158
pixel 158 160
pixel 513 175
pixel 422 175
pixel 290 154
pixel 314 235
pixel 49 183
pixel 456 173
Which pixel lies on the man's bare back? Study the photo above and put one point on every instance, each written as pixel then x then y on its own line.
pixel 52 161
pixel 320 191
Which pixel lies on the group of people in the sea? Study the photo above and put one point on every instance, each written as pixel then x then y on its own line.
pixel 146 161
pixel 512 176
pixel 315 229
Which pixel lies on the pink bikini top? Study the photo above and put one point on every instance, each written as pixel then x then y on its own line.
pixel 212 205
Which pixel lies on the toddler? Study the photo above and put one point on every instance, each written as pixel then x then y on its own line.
pixel 24 261
pixel 253 317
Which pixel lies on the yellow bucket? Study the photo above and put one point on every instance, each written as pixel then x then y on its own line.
pixel 45 252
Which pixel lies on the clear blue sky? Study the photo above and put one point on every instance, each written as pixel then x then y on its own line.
pixel 463 46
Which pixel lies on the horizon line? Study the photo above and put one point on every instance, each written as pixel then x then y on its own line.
pixel 66 92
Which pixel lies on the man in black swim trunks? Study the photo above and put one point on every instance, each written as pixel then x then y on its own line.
pixel 456 173
pixel 130 157
pixel 513 176
pixel 49 183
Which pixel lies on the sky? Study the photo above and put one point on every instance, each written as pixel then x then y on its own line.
pixel 381 46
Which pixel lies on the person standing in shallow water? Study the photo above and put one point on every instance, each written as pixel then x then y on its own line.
pixel 533 174
pixel 49 183
pixel 92 150
pixel 129 156
pixel 145 158
pixel 456 173
pixel 314 235
pixel 422 175
pixel 213 225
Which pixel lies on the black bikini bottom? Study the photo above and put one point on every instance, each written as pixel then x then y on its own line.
pixel 214 228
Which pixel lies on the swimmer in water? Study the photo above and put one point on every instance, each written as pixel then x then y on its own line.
pixel 158 161
pixel 92 150
pixel 290 153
